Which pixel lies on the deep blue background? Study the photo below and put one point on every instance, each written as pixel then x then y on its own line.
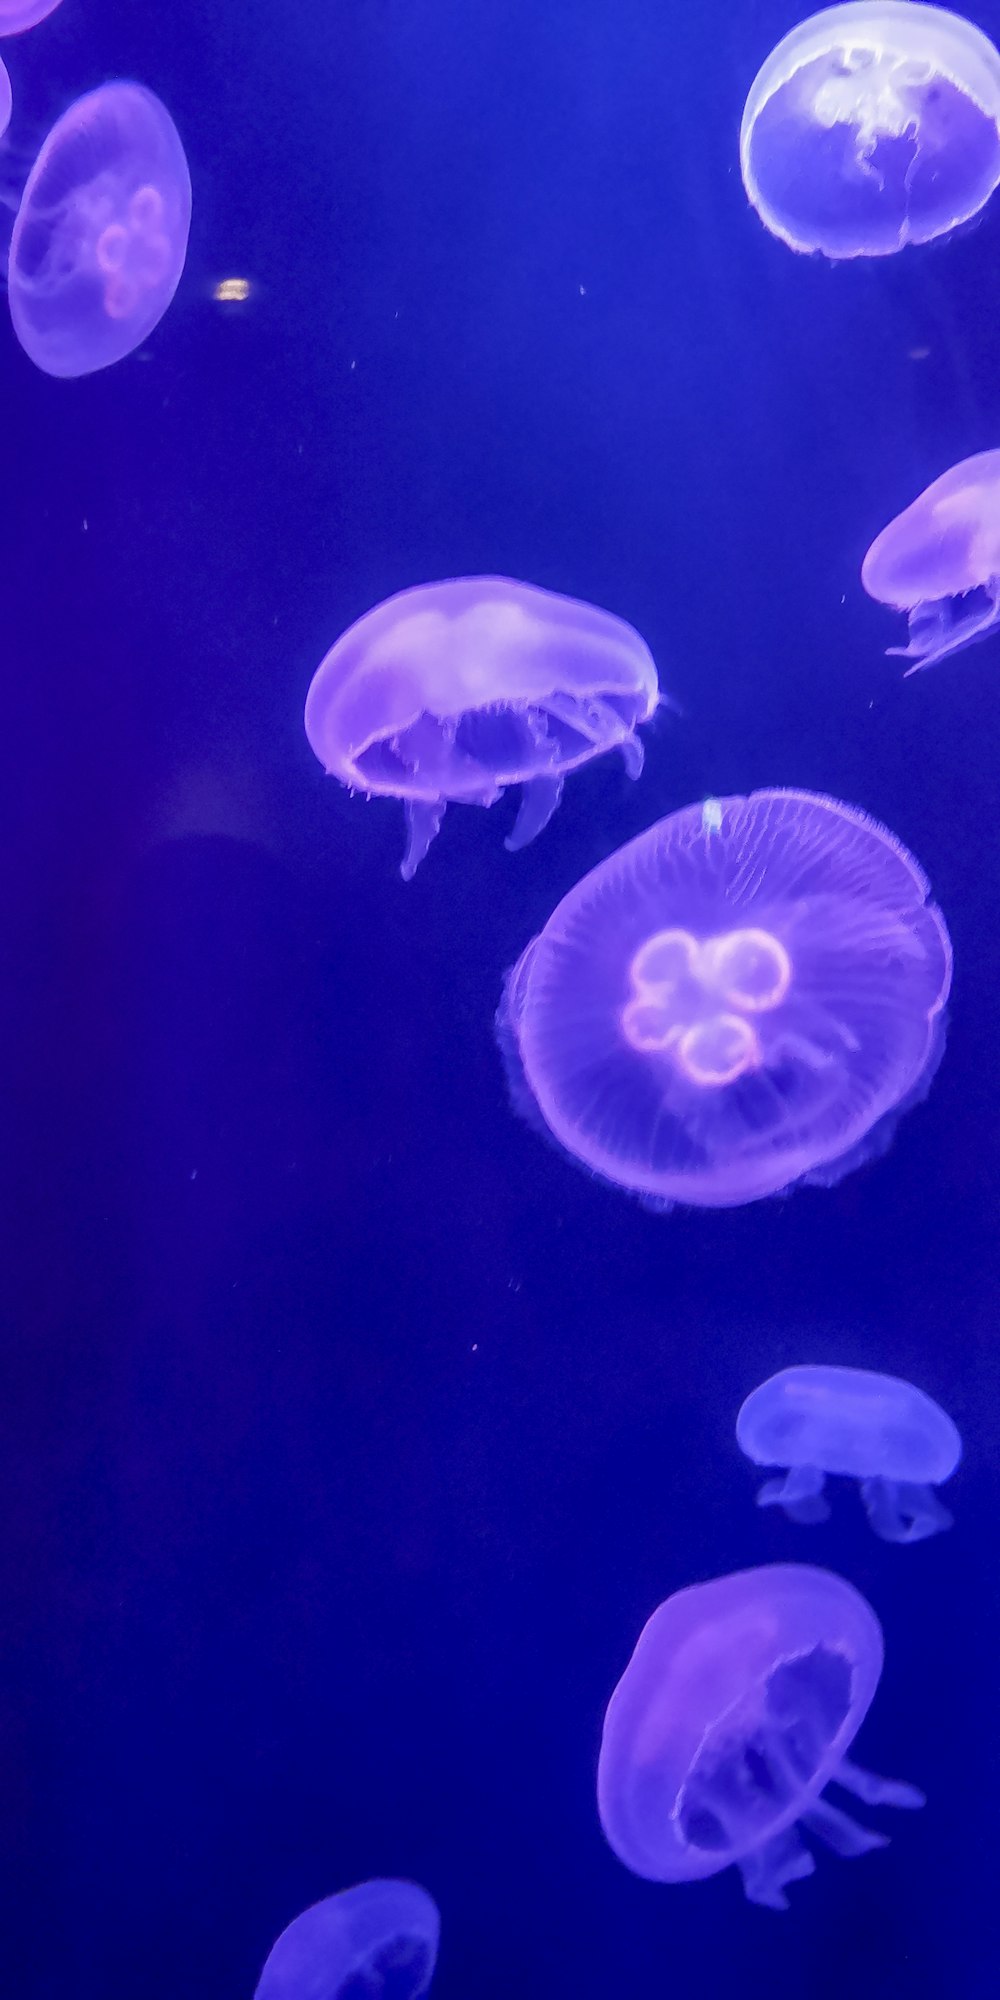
pixel 347 1433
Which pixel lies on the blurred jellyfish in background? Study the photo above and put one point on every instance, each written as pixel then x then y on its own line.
pixel 450 692
pixel 6 101
pixel 873 125
pixel 891 1437
pixel 16 15
pixel 734 1002
pixel 101 233
pixel 737 1707
pixel 939 561
pixel 378 1941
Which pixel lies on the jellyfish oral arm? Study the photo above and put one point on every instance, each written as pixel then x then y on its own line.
pixel 423 821
pixel 799 1493
pixel 900 1510
pixel 947 625
pixel 875 1791
pixel 768 1869
pixel 539 799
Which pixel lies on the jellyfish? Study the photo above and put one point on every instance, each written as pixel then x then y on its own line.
pixel 101 234
pixel 6 100
pixel 890 1436
pixel 736 1710
pixel 16 15
pixel 873 125
pixel 939 561
pixel 378 1941
pixel 746 996
pixel 453 691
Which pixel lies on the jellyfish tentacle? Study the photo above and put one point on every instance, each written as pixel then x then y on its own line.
pixel 423 820
pixel 539 799
pixel 768 1869
pixel 633 756
pixel 875 1791
pixel 939 626
pixel 799 1493
pixel 902 1510
pixel 839 1831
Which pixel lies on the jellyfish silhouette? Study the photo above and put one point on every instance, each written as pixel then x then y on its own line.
pixel 453 691
pixel 737 1708
pixel 873 125
pixel 378 1941
pixel 939 561
pixel 16 15
pixel 101 234
pixel 885 1433
pixel 746 996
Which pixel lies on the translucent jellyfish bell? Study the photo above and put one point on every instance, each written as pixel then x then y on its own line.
pixel 101 234
pixel 734 1713
pixel 453 691
pixel 939 561
pixel 891 1437
pixel 873 125
pixel 746 996
pixel 378 1941
pixel 6 101
pixel 16 15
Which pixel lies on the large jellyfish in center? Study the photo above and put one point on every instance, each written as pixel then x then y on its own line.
pixel 453 691
pixel 737 1708
pixel 873 125
pixel 939 561
pixel 101 234
pixel 378 1941
pixel 744 997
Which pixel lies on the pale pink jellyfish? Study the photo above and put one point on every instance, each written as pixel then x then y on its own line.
pixel 16 15
pixel 101 234
pixel 873 125
pixel 450 692
pixel 736 1710
pixel 939 561
pixel 745 997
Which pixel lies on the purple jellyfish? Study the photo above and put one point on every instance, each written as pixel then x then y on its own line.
pixel 873 125
pixel 6 101
pixel 379 1940
pixel 939 561
pixel 745 997
pixel 453 691
pixel 16 15
pixel 887 1434
pixel 737 1707
pixel 101 233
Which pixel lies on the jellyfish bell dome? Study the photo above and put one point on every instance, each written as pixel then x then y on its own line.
pixel 939 561
pixel 738 1000
pixel 450 692
pixel 100 236
pixel 379 1939
pixel 873 125
pixel 16 15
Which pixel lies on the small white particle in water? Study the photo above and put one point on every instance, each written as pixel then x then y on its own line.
pixel 194 1173
pixel 475 1347
pixel 583 291
pixel 85 526
pixel 353 366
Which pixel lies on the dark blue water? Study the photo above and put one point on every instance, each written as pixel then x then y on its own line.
pixel 347 1433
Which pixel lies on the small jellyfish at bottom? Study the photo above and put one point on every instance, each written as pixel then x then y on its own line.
pixel 101 233
pixel 450 692
pixel 885 1433
pixel 873 125
pixel 744 997
pixel 378 1941
pixel 939 561
pixel 736 1710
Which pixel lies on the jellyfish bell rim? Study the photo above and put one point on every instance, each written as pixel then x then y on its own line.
pixel 353 1909
pixel 161 121
pixel 939 1425
pixel 978 78
pixel 32 18
pixel 527 1076
pixel 338 675
pixel 639 1703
